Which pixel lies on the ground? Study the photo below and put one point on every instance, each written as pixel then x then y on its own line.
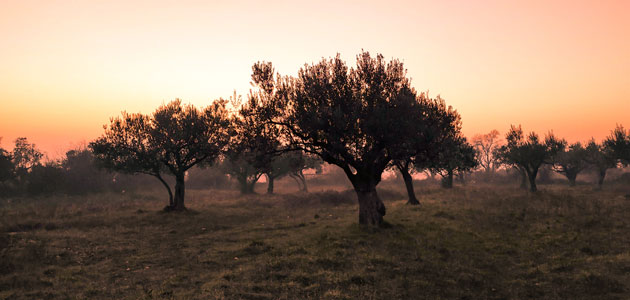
pixel 471 242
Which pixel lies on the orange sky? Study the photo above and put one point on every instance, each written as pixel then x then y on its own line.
pixel 67 66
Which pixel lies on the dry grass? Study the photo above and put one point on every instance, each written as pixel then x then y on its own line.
pixel 467 243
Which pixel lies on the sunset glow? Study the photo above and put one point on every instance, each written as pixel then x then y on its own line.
pixel 66 67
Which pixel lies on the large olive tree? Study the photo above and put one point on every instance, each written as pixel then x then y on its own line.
pixel 173 139
pixel 357 118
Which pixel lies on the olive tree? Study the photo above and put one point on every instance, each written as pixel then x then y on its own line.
pixel 455 155
pixel 253 148
pixel 600 158
pixel 529 153
pixel 357 118
pixel 570 161
pixel 173 139
pixel 436 123
pixel 486 145
pixel 618 142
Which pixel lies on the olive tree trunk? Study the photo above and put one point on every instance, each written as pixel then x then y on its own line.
pixel 447 181
pixel 168 189
pixel 404 171
pixel 531 175
pixel 601 177
pixel 270 181
pixel 180 191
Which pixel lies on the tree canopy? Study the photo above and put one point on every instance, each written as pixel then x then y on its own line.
pixel 358 118
pixel 529 153
pixel 173 139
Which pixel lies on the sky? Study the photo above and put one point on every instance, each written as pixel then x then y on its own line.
pixel 67 67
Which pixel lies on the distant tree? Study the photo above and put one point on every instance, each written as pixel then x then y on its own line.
pixel 601 159
pixel 25 156
pixel 279 167
pixel 173 139
pixel 82 174
pixel 253 147
pixel 6 166
pixel 45 178
pixel 618 143
pixel 570 161
pixel 356 118
pixel 436 125
pixel 299 162
pixel 486 145
pixel 455 156
pixel 528 154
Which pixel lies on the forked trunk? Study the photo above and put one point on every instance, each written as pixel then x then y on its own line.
pixel 523 178
pixel 532 180
pixel 409 185
pixel 168 189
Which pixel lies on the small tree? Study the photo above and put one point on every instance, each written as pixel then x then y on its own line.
pixel 173 139
pixel 486 145
pixel 25 156
pixel 529 153
pixel 618 143
pixel 601 159
pixel 299 162
pixel 356 118
pixel 570 162
pixel 456 156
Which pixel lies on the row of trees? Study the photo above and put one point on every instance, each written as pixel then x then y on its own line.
pixel 363 119
pixel 528 154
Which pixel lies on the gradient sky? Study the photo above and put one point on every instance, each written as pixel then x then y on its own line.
pixel 66 67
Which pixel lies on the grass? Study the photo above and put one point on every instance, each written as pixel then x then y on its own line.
pixel 466 243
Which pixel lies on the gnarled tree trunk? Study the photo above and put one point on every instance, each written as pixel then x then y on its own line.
pixel 371 208
pixel 180 191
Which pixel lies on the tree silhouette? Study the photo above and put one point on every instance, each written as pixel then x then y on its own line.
pixel 25 156
pixel 570 162
pixel 253 147
pixel 486 145
pixel 529 153
pixel 618 142
pixel 356 118
pixel 435 125
pixel 6 166
pixel 455 155
pixel 173 139
pixel 601 159
pixel 300 161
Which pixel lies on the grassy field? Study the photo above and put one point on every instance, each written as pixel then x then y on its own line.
pixel 466 243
